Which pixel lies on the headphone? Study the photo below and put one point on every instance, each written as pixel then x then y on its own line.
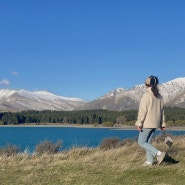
pixel 153 80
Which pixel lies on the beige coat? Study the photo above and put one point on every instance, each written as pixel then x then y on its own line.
pixel 151 112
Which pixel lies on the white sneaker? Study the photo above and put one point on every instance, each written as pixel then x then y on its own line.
pixel 147 163
pixel 160 158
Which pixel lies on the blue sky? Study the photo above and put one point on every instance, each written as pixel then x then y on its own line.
pixel 85 48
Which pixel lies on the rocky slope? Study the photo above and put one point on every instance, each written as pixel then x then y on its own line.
pixel 121 99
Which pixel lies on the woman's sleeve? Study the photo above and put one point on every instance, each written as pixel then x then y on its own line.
pixel 163 120
pixel 143 108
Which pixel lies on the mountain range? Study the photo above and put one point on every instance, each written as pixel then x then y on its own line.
pixel 118 99
pixel 19 100
pixel 172 91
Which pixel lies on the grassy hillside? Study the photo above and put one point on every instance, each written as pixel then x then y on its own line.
pixel 84 166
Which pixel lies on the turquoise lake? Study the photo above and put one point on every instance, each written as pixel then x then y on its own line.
pixel 29 137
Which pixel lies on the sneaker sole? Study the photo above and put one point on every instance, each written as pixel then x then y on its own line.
pixel 163 156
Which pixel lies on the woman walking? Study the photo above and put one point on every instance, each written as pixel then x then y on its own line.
pixel 150 117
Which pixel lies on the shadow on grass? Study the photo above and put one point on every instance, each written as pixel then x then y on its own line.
pixel 169 160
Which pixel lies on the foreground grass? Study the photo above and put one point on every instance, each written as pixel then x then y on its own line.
pixel 83 166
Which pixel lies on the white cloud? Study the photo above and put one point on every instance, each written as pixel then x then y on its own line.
pixel 4 82
pixel 15 73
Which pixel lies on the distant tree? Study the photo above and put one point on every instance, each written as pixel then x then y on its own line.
pixel 84 116
pixel 120 120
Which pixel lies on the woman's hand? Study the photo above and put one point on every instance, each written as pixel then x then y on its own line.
pixel 163 128
pixel 139 128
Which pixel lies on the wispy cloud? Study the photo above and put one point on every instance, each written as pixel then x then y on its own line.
pixel 15 73
pixel 4 82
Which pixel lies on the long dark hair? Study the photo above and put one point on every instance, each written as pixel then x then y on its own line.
pixel 154 89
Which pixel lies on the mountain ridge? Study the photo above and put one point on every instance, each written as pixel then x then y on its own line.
pixel 118 99
pixel 19 100
pixel 172 91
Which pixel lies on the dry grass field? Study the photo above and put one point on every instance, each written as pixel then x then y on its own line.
pixel 94 166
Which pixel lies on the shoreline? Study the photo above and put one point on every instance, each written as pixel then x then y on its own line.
pixel 174 128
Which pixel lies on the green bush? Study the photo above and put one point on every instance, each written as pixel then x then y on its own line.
pixel 107 124
pixel 1 122
pixel 180 122
pixel 130 123
pixel 48 147
pixel 170 123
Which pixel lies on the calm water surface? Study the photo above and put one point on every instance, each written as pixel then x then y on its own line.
pixel 29 137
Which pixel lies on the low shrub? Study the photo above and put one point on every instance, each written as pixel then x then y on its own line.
pixel 114 142
pixel 48 147
pixel 109 143
pixel 159 139
pixel 127 142
pixel 9 150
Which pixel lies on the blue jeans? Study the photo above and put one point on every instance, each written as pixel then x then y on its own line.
pixel 144 141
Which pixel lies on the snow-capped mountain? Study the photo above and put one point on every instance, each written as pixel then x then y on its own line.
pixel 12 100
pixel 173 93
